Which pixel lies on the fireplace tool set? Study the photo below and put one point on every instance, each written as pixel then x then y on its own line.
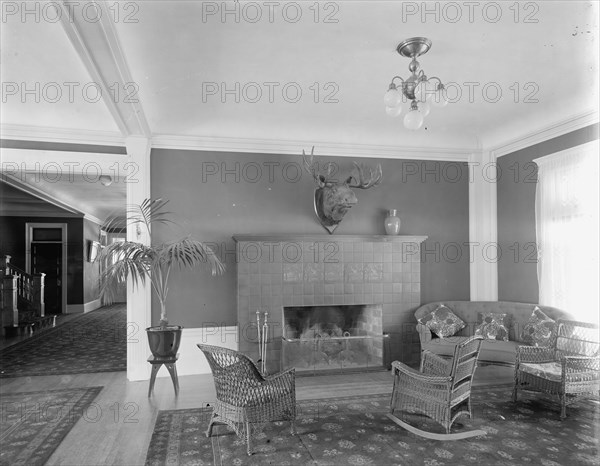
pixel 263 336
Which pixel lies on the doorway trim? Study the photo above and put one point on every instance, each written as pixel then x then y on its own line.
pixel 29 226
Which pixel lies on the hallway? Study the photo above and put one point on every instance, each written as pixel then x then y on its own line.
pixel 91 342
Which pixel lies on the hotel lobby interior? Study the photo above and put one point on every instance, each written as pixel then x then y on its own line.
pixel 372 227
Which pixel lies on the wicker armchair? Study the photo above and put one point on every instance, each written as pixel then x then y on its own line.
pixel 568 367
pixel 244 396
pixel 442 388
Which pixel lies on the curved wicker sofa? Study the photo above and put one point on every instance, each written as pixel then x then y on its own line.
pixel 492 351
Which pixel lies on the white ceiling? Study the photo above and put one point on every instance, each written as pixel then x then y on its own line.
pixel 76 196
pixel 170 51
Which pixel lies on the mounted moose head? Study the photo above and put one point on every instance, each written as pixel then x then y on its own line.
pixel 334 199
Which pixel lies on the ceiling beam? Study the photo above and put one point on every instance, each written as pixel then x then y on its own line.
pixel 61 135
pixel 98 47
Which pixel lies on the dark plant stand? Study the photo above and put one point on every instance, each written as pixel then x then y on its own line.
pixel 170 364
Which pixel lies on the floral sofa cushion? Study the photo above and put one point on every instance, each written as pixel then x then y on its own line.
pixel 547 370
pixel 538 330
pixel 443 322
pixel 492 326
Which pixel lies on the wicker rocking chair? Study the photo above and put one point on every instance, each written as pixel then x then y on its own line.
pixel 244 396
pixel 568 367
pixel 441 389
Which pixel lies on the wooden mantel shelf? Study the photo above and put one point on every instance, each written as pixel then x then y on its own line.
pixel 239 238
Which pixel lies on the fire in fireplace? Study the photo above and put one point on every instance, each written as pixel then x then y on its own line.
pixel 335 337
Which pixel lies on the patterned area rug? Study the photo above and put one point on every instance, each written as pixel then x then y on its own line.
pixel 356 431
pixel 32 424
pixel 93 342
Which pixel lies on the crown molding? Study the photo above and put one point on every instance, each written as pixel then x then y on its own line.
pixel 67 162
pixel 94 219
pixel 268 146
pixel 531 138
pixel 61 135
pixel 26 188
pixel 591 147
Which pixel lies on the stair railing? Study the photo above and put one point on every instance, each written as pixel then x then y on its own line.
pixel 18 286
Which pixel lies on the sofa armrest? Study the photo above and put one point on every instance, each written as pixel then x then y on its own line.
pixel 424 334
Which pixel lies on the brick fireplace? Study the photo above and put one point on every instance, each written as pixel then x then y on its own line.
pixel 279 271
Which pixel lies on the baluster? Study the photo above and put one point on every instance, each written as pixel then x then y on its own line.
pixel 6 265
pixel 29 289
pixel 10 315
pixel 38 294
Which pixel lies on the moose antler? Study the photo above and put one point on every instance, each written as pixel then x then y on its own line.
pixel 313 168
pixel 374 179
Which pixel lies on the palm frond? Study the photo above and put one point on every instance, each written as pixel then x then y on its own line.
pixel 135 260
pixel 188 253
pixel 124 259
pixel 150 211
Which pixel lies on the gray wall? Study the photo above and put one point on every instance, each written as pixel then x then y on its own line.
pixel 213 207
pixel 517 267
pixel 91 270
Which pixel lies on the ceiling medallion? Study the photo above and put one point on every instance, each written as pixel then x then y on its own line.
pixel 421 91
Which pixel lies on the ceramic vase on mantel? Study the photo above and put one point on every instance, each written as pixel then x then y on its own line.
pixel 392 222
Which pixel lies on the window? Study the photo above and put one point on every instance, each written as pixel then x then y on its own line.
pixel 567 230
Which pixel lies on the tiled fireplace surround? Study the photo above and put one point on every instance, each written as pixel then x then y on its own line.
pixel 276 270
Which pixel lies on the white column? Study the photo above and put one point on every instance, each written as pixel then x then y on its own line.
pixel 483 231
pixel 139 300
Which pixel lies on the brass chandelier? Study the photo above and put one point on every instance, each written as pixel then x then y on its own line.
pixel 421 91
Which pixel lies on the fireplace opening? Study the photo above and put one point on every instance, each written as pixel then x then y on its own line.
pixel 334 337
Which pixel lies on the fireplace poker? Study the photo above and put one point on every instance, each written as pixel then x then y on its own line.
pixel 264 343
pixel 258 332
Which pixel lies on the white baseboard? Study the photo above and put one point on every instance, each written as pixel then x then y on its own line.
pixel 92 305
pixel 83 308
pixel 191 359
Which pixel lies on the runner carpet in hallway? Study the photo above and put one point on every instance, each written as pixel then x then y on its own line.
pixel 92 342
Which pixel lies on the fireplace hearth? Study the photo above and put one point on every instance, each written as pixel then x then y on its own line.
pixel 335 337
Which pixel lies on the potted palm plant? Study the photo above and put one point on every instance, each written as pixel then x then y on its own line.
pixel 154 263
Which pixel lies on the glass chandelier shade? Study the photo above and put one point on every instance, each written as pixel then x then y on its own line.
pixel 394 111
pixel 425 108
pixel 392 97
pixel 439 98
pixel 414 118
pixel 422 92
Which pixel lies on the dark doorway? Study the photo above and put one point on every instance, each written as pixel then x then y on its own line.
pixel 47 258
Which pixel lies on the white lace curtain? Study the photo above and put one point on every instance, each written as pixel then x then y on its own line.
pixel 567 230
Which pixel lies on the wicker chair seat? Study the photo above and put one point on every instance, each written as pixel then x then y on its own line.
pixel 553 371
pixel 568 367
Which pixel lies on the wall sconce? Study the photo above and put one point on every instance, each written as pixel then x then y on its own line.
pixel 105 180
